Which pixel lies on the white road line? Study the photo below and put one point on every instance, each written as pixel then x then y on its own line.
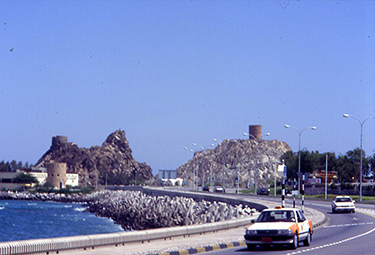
pixel 332 244
pixel 349 225
pixel 342 241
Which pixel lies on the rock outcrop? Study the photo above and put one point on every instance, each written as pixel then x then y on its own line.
pixel 110 163
pixel 248 159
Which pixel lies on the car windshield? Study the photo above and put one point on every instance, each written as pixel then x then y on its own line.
pixel 344 199
pixel 274 216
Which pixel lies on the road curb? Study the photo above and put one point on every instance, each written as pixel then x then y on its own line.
pixel 368 212
pixel 205 249
pixel 223 246
pixel 316 225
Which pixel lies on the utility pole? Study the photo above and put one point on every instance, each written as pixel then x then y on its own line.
pixel 325 187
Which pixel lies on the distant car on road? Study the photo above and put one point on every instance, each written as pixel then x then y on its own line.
pixel 343 204
pixel 263 191
pixel 279 226
pixel 220 189
pixel 206 188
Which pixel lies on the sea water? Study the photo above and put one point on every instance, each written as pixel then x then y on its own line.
pixel 21 220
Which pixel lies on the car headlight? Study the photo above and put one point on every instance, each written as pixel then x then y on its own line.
pixel 285 231
pixel 251 232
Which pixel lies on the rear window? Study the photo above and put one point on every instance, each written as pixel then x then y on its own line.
pixel 344 199
pixel 275 216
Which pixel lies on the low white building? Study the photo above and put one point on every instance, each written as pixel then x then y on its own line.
pixel 6 178
pixel 72 179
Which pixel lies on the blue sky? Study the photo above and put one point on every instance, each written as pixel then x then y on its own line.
pixel 173 73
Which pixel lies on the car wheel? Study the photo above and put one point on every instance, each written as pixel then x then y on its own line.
pixel 251 247
pixel 295 242
pixel 353 211
pixel 333 210
pixel 307 241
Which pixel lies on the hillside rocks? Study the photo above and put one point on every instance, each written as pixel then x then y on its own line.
pixel 110 163
pixel 249 159
pixel 134 210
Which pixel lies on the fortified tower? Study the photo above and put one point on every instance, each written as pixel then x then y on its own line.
pixel 59 142
pixel 255 132
pixel 56 174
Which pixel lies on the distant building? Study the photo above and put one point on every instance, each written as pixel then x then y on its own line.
pixel 319 176
pixel 55 173
pixel 167 174
pixel 169 177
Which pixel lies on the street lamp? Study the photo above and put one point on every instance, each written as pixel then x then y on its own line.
pixel 246 134
pixel 194 183
pixel 299 152
pixel 360 123
pixel 214 140
pixel 238 171
pixel 256 163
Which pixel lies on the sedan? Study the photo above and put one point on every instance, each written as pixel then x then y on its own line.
pixel 343 204
pixel 279 226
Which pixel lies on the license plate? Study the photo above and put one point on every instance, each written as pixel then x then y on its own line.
pixel 266 239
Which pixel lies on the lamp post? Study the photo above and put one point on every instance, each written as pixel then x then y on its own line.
pixel 256 164
pixel 203 175
pixel 246 134
pixel 238 171
pixel 213 145
pixel 186 148
pixel 299 152
pixel 360 123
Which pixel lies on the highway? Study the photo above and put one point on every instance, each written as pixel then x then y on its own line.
pixel 342 234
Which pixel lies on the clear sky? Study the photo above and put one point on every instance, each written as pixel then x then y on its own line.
pixel 173 73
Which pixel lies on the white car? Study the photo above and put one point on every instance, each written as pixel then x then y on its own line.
pixel 343 204
pixel 279 226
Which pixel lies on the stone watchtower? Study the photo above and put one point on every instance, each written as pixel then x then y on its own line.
pixel 56 174
pixel 255 132
pixel 59 142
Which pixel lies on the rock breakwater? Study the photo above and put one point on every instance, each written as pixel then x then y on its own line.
pixel 66 198
pixel 134 210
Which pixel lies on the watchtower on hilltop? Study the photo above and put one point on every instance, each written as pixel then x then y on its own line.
pixel 59 142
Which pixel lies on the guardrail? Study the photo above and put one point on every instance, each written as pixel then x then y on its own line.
pixel 121 238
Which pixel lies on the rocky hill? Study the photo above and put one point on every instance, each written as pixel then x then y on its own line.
pixel 110 163
pixel 249 159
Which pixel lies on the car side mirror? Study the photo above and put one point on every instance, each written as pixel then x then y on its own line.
pixel 252 221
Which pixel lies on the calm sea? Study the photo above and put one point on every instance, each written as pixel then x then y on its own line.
pixel 20 220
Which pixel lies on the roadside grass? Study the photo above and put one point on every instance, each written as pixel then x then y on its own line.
pixel 247 191
pixel 365 199
pixel 330 197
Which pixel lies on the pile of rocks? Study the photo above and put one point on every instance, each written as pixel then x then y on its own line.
pixel 67 198
pixel 134 210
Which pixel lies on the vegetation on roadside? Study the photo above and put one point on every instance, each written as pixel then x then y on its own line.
pixel 25 178
pixel 347 166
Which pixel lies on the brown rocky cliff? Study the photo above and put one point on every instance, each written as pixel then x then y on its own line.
pixel 110 163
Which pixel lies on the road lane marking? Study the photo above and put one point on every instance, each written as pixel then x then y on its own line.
pixel 349 225
pixel 332 244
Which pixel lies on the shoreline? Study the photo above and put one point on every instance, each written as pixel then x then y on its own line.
pixel 30 219
pixel 134 210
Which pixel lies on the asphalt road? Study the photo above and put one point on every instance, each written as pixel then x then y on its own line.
pixel 342 234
